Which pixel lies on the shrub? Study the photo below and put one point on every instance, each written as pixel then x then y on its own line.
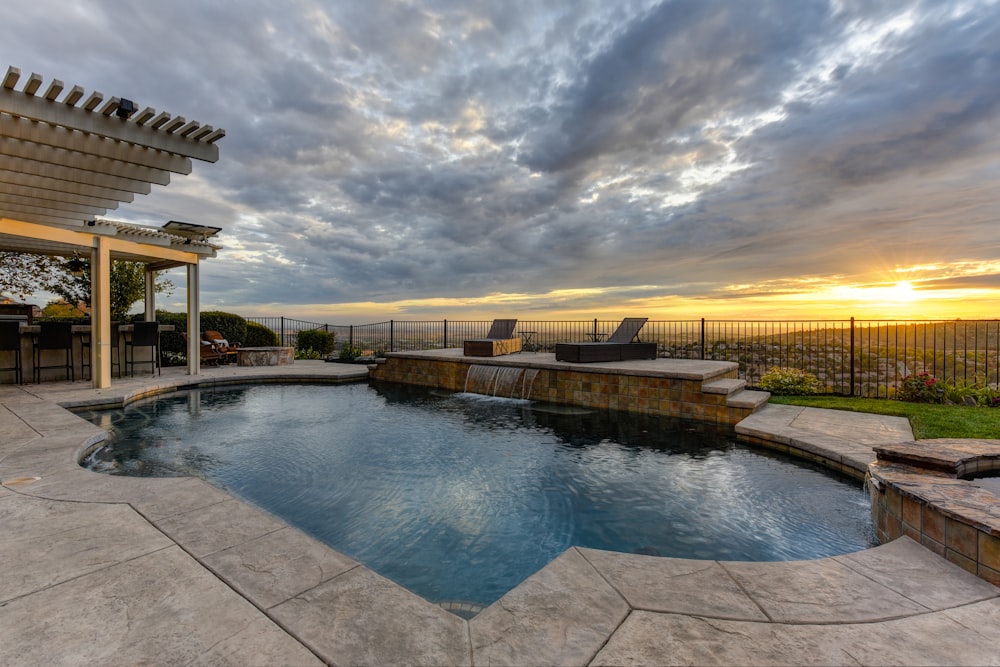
pixel 349 352
pixel 232 327
pixel 260 336
pixel 789 382
pixel 979 392
pixel 171 342
pixel 921 388
pixel 317 340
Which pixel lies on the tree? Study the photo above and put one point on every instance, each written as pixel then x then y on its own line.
pixel 69 277
pixel 22 274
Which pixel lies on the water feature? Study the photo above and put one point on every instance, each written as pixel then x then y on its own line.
pixel 462 500
pixel 500 381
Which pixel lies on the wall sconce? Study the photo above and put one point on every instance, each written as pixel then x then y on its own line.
pixel 125 109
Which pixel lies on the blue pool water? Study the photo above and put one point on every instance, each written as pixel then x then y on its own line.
pixel 460 498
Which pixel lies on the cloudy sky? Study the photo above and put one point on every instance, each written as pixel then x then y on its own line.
pixel 564 158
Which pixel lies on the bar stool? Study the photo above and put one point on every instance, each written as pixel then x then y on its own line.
pixel 10 341
pixel 144 334
pixel 85 356
pixel 54 336
pixel 115 350
pixel 85 343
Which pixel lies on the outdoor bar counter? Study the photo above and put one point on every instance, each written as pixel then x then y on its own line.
pixel 81 346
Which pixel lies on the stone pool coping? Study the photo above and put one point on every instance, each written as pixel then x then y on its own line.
pixel 111 570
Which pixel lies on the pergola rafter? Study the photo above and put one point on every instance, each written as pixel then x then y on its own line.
pixel 67 158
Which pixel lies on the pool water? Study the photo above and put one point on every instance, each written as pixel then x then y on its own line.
pixel 460 497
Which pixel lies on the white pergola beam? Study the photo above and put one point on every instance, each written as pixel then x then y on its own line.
pixel 42 206
pixel 73 175
pixel 52 92
pixel 10 79
pixel 58 137
pixel 76 160
pixel 34 81
pixel 55 185
pixel 71 117
pixel 73 96
pixel 52 213
pixel 54 198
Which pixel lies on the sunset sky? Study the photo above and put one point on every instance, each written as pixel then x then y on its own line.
pixel 552 159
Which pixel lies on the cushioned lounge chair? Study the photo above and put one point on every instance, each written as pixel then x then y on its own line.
pixel 499 340
pixel 223 346
pixel 208 354
pixel 621 345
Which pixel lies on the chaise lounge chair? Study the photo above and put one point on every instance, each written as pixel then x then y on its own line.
pixel 618 346
pixel 226 349
pixel 499 340
pixel 208 353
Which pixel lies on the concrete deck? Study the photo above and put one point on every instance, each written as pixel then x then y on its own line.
pixel 113 571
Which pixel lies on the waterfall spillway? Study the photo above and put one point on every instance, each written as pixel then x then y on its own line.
pixel 500 381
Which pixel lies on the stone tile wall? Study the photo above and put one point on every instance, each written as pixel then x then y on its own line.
pixel 629 391
pixel 805 454
pixel 952 517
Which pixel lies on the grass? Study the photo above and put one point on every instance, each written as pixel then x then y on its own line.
pixel 927 420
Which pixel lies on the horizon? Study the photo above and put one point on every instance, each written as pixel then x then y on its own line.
pixel 672 159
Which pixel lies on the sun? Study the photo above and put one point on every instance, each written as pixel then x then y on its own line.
pixel 903 292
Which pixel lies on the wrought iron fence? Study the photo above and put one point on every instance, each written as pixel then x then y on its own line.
pixel 850 357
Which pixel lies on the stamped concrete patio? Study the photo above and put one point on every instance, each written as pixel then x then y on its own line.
pixel 112 570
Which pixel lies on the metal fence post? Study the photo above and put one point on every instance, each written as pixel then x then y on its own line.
pixel 703 338
pixel 445 344
pixel 392 343
pixel 284 341
pixel 595 328
pixel 852 357
pixel 350 335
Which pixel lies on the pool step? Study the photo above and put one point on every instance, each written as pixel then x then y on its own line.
pixel 748 398
pixel 737 396
pixel 726 386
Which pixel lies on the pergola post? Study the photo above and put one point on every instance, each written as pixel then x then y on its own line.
pixel 150 301
pixel 100 314
pixel 193 320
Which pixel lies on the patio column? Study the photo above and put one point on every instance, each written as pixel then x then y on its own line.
pixel 150 301
pixel 194 319
pixel 100 314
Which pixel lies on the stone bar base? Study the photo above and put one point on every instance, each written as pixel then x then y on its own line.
pixel 264 356
pixel 708 391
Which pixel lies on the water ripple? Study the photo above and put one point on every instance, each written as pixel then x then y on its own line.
pixel 461 499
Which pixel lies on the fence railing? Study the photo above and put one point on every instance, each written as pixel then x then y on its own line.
pixel 850 357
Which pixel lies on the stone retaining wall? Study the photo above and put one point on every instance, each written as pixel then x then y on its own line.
pixel 642 390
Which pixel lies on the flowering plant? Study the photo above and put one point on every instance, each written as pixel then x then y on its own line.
pixel 789 382
pixel 921 388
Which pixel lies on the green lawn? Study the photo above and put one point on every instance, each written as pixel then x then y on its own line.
pixel 926 420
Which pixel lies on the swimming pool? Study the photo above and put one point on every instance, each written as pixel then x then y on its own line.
pixel 459 497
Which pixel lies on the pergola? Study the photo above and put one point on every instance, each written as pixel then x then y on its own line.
pixel 66 158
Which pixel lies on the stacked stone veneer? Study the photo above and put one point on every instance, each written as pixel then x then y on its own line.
pixel 916 491
pixel 706 395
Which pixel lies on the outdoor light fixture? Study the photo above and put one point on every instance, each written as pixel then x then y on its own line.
pixel 125 109
pixel 191 231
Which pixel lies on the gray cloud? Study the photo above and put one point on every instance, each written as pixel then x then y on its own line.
pixel 384 151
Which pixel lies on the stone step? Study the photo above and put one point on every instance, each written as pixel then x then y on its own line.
pixel 724 386
pixel 748 398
